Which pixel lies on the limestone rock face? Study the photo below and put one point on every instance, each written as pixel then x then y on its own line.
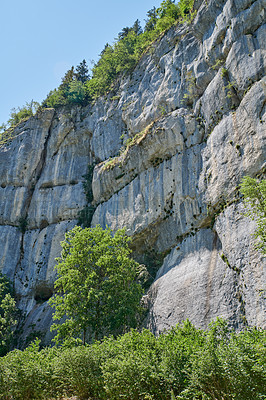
pixel 169 149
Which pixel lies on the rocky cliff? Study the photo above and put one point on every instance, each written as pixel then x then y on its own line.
pixel 170 145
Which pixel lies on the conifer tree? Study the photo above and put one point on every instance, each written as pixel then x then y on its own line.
pixel 151 21
pixel 67 79
pixel 82 72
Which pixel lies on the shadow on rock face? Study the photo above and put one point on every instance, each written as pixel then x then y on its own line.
pixel 43 292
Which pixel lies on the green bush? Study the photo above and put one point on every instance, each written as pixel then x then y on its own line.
pixel 134 371
pixel 228 365
pixel 78 372
pixel 8 315
pixel 177 347
pixel 27 374
pixel 20 113
pixel 184 363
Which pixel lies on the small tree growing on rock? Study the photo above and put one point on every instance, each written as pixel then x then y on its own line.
pixel 255 199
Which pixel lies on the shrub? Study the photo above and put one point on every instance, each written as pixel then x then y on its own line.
pixel 133 373
pixel 78 372
pixel 20 113
pixel 8 315
pixel 228 365
pixel 27 374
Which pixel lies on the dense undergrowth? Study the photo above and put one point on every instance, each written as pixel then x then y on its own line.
pixel 183 363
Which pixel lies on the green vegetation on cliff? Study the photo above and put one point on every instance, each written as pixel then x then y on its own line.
pixel 17 115
pixel 254 192
pixel 119 58
pixel 80 87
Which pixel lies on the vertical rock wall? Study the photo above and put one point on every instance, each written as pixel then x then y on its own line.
pixel 193 114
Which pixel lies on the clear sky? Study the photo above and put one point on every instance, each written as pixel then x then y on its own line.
pixel 41 39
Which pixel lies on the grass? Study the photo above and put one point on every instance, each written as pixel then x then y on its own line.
pixel 130 142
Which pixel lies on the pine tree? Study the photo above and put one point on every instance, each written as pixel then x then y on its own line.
pixel 137 27
pixel 68 78
pixel 125 31
pixel 82 72
pixel 151 21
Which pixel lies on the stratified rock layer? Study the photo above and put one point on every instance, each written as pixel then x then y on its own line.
pixel 169 149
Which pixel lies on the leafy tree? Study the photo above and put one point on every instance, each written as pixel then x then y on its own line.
pixel 20 113
pixel 124 53
pixel 82 72
pixel 255 199
pixel 96 289
pixel 8 314
pixel 228 365
pixel 104 73
pixel 185 7
pixel 168 8
pixel 76 93
pixel 168 13
pixel 55 99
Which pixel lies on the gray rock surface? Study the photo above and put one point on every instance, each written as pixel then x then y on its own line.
pixel 169 149
pixel 212 273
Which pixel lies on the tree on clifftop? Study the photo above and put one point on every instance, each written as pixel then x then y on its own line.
pixel 96 290
pixel 82 72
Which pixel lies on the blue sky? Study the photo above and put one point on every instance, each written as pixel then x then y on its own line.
pixel 41 39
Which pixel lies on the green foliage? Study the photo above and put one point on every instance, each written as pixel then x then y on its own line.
pixel 82 72
pixel 8 315
pixel 23 223
pixel 85 216
pixel 54 99
pixel 228 365
pixel 76 93
pixel 27 374
pixel 77 87
pixel 96 288
pixel 185 7
pixel 78 371
pixel 21 113
pixel 255 200
pixel 72 89
pixel 184 363
pixel 17 115
pixel 224 72
pixel 151 20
